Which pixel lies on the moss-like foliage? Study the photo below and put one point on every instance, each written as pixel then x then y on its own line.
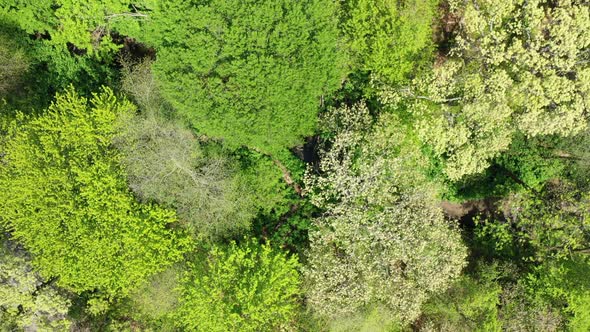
pixel 254 73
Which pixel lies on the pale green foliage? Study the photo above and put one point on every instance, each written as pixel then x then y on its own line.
pixel 253 72
pixel 13 65
pixel 158 297
pixel 384 36
pixel 372 320
pixel 165 163
pixel 396 258
pixel 517 66
pixel 27 301
pixel 449 129
pixel 64 196
pixel 85 24
pixel 247 287
pixel 387 155
pixel 382 240
pixel 520 312
pixel 138 82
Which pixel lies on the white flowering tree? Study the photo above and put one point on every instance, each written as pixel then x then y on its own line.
pixel 382 242
pixel 27 301
pixel 517 66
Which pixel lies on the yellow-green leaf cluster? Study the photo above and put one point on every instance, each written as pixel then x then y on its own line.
pixel 386 37
pixel 63 195
pixel 247 287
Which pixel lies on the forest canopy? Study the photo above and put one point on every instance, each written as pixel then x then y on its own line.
pixel 314 165
pixel 253 73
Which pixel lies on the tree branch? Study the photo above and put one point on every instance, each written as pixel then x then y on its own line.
pixel 108 17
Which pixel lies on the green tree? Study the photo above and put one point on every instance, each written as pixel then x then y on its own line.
pixel 470 304
pixel 83 25
pixel 564 284
pixel 387 37
pixel 554 221
pixel 68 42
pixel 166 163
pixel 27 301
pixel 525 60
pixel 247 287
pixel 382 241
pixel 64 196
pixel 251 72
pixel 491 297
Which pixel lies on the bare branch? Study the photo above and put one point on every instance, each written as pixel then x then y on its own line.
pixel 108 17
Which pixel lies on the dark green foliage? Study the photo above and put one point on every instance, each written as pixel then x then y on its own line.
pixel 493 239
pixel 67 42
pixel 532 162
pixel 253 73
pixel 290 230
pixel 264 180
pixel 60 68
pixel 493 182
pixel 575 153
pixel 488 298
pixel 83 26
pixel 33 71
pixel 527 165
pixel 554 222
pixel 284 216
pixel 544 236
